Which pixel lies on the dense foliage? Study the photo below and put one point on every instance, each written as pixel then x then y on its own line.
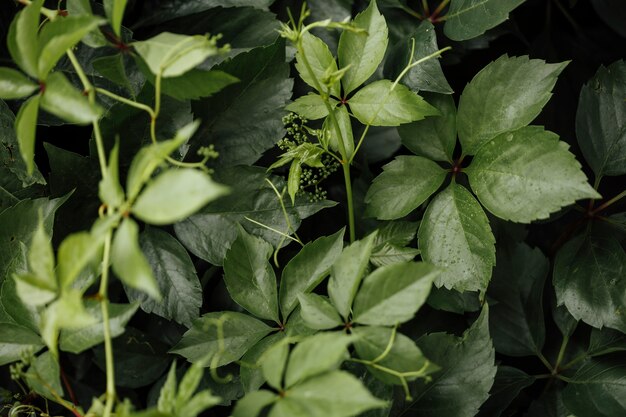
pixel 342 208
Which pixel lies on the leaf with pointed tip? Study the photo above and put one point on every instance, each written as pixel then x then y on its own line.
pixel 455 235
pixel 318 313
pixel 114 10
pixel 605 341
pixel 14 85
pixel 253 403
pixel 25 127
pixel 15 340
pixel 310 107
pixel 44 376
pixel 22 38
pixel 250 372
pixel 62 99
pixel 467 19
pixel 508 383
pixel 320 60
pixel 345 126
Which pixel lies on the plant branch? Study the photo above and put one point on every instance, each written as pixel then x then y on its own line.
pixel 126 101
pixel 108 344
pixel 609 202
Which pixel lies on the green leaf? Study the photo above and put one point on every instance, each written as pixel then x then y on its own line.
pixel 345 126
pixel 604 259
pixel 175 275
pixel 199 403
pixel 527 174
pixel 467 19
pixel 605 341
pixel 362 51
pixel 77 252
pixel 403 356
pixel 597 389
pixel 95 38
pixel 393 294
pixel 453 301
pixel 16 340
pixel 253 403
pixel 175 195
pixel 347 273
pixel 62 99
pixel 433 137
pixel 318 313
pixel 44 376
pixel 383 104
pixel 114 10
pixel 316 355
pixel 468 372
pixel 129 263
pixel 14 85
pixel 403 186
pixel 172 55
pixel 310 107
pixel 250 278
pixel 516 319
pixel 167 395
pixel 201 342
pixel 600 117
pixel 110 190
pixel 509 382
pixel 41 258
pixel 293 180
pixel 389 254
pixel 273 362
pixel 455 235
pixel 505 95
pixel 22 38
pixel 321 62
pixel 25 127
pixel 336 393
pixel 58 36
pixel 78 340
pixel 250 372
pixel 307 269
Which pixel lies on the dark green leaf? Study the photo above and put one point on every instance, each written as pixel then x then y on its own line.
pixel 196 84
pixel 403 186
pixel 467 19
pixel 612 13
pixel 509 382
pixel 453 301
pixel 13 84
pixel 505 95
pixel 318 313
pixel 62 99
pixel 606 341
pixel 455 235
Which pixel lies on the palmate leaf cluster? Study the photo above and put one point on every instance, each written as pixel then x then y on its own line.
pixel 165 259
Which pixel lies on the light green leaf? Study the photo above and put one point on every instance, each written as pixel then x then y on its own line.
pixel 167 395
pixel 41 258
pixel 321 61
pixel 467 19
pixel 273 362
pixel 253 403
pixel 389 254
pixel 44 376
pixel 336 393
pixel 345 126
pixel 171 55
pixel 383 104
pixel 201 342
pixel 597 389
pixel 600 120
pixel 316 355
pixel 176 194
pixel 129 263
pixel 310 107
pixel 527 174
pixel 393 294
pixel 293 180
pixel 188 385
pixel 347 273
pixel 250 372
pixel 114 10
pixel 362 51
pixel 588 269
pixel 110 190
pixel 250 278
pixel 307 269
pixel 433 137
pixel 175 275
pixel 22 38
pixel 79 339
pixel 14 85
pixel 25 127
pixel 455 235
pixel 404 356
pixel 16 340
pixel 198 403
pixel 505 95
pixel 58 36
pixel 62 99
pixel 95 38
pixel 318 313
pixel 32 291
pixel 403 186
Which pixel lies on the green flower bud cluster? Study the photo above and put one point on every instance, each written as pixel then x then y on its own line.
pixel 311 179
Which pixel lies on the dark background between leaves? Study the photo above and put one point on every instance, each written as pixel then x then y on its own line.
pixel 555 32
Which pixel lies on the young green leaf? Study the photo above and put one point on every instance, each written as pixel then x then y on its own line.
pixel 433 137
pixel 307 269
pixel 22 38
pixel 455 235
pixel 41 258
pixel 321 63
pixel 14 85
pixel 76 252
pixel 110 190
pixel 25 127
pixel 467 19
pixel 403 357
pixel 253 403
pixel 310 107
pixel 62 99
pixel 318 313
pixel 364 50
pixel 44 376
pixel 604 259
pixel 167 395
pixel 403 186
pixel 383 104
pixel 129 263
pixel 250 278
pixel 393 294
pixel 527 174
pixel 17 340
pixel 505 95
pixel 347 273
pixel 176 194
pixel 95 38
pixel 345 126
pixel 203 342
pixel 273 362
pixel 600 120
pixel 114 10
pixel 507 385
pixel 250 372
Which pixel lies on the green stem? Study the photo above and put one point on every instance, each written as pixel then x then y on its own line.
pixel 439 9
pixel 126 101
pixel 358 145
pixel 545 361
pixel 574 361
pixel 108 344
pixel 561 354
pixel 609 202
